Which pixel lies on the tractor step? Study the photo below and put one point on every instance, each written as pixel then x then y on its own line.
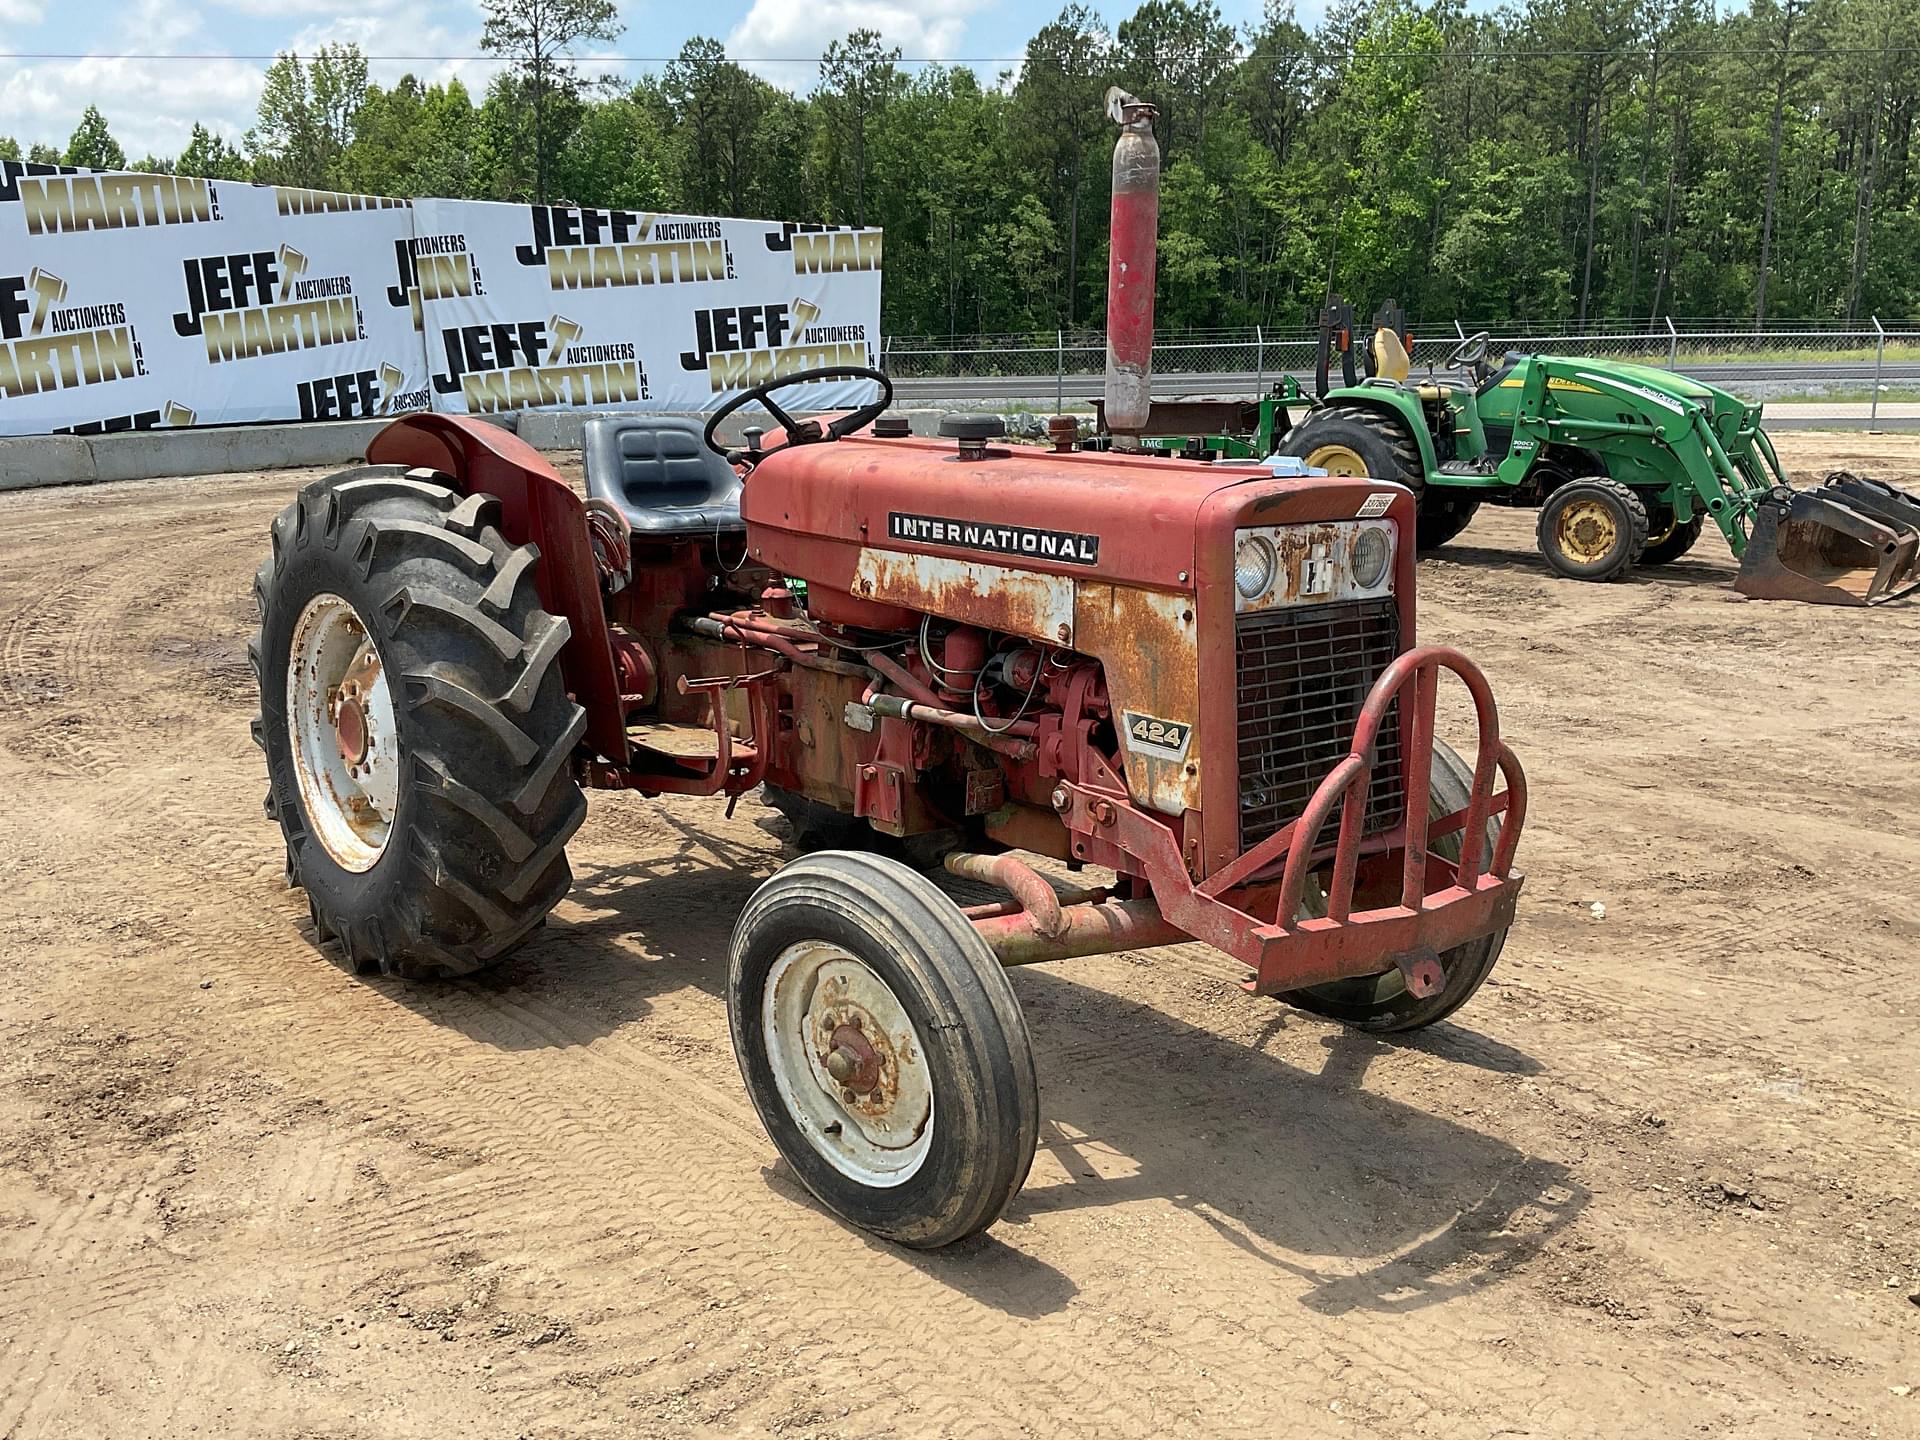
pixel 1466 467
pixel 683 742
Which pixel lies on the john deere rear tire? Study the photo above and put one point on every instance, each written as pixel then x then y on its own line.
pixel 1444 512
pixel 1357 440
pixel 1594 529
pixel 1667 538
pixel 1382 1002
pixel 416 727
pixel 883 1047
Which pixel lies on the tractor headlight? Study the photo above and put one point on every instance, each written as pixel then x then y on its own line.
pixel 1371 552
pixel 1253 566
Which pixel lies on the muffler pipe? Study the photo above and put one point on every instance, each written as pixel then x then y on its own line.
pixel 1133 247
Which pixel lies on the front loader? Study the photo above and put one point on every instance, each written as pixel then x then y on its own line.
pixel 1196 689
pixel 1625 463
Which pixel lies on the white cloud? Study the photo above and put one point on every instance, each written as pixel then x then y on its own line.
pixel 782 29
pixel 22 12
pixel 150 105
pixel 294 7
pixel 393 34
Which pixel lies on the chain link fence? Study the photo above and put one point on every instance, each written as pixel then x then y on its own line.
pixel 1720 351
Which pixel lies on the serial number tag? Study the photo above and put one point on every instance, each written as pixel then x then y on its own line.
pixel 1374 505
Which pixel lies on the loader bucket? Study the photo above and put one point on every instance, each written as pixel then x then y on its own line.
pixel 1852 541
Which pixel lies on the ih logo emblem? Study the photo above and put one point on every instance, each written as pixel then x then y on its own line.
pixel 1165 739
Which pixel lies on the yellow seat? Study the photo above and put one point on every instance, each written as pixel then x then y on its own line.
pixel 1390 360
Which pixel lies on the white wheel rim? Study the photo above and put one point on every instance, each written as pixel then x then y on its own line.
pixel 346 755
pixel 876 1127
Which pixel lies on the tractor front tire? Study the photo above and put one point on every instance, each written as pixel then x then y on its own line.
pixel 1382 1002
pixel 416 728
pixel 1667 538
pixel 883 1047
pixel 1593 529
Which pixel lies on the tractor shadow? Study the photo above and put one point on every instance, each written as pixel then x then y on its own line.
pixel 1368 1202
pixel 1684 574
pixel 1363 1201
pixel 627 934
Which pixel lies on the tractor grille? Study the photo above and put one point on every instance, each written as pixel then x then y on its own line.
pixel 1304 673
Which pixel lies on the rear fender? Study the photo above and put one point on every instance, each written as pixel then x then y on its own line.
pixel 538 508
pixel 1400 405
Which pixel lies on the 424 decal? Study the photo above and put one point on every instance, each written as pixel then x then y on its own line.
pixel 1166 739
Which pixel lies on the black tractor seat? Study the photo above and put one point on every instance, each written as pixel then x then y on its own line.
pixel 662 477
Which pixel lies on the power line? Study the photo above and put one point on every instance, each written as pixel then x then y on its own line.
pixel 1309 54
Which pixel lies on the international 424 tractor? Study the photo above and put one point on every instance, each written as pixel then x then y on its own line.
pixel 1200 682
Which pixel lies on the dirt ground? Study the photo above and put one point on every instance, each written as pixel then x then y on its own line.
pixel 1658 1179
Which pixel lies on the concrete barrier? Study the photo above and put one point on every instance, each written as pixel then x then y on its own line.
pixel 30 461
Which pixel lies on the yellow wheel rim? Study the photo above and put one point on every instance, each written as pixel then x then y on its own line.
pixel 1655 537
pixel 1337 460
pixel 1587 531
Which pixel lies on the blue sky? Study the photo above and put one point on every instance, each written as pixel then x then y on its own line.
pixel 151 103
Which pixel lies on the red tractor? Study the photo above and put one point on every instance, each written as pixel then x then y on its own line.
pixel 1201 679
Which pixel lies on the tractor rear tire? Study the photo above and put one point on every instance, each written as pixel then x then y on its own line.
pixel 1444 512
pixel 884 1048
pixel 1593 529
pixel 1382 1002
pixel 1357 440
pixel 430 835
pixel 1668 539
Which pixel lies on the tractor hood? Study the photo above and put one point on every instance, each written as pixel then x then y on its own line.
pixel 1663 382
pixel 1727 413
pixel 1133 520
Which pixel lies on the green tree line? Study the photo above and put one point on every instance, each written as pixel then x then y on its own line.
pixel 1551 161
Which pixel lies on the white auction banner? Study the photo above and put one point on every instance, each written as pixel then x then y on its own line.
pixel 131 301
pixel 559 306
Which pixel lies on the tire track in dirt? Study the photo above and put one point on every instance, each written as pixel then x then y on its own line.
pixel 423 1050
pixel 350 1054
pixel 1260 1236
pixel 406 1045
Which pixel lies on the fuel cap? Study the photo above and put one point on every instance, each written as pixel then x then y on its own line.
pixel 892 427
pixel 972 427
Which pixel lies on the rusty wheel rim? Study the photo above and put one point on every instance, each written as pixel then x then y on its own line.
pixel 1587 530
pixel 1338 460
pixel 848 1064
pixel 346 757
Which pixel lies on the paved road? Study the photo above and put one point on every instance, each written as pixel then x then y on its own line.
pixel 1248 382
pixel 961 390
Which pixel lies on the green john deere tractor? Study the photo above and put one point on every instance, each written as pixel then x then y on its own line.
pixel 1625 463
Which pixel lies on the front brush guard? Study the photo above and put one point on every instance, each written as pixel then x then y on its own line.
pixel 1442 903
pixel 1852 541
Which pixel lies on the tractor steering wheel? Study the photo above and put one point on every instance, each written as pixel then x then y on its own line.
pixel 802 432
pixel 1470 354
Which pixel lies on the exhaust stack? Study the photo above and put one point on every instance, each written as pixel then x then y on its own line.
pixel 1133 248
